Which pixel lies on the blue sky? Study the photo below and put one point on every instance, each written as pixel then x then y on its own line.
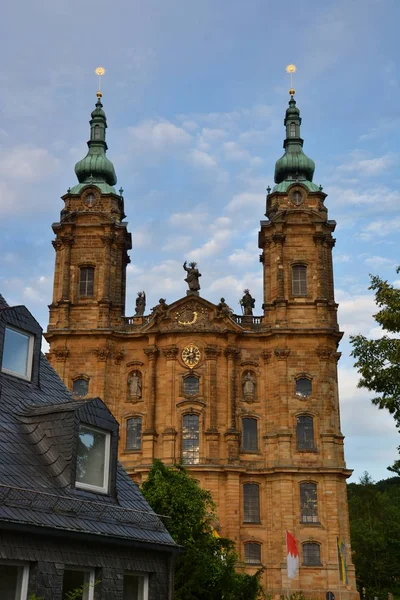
pixel 195 94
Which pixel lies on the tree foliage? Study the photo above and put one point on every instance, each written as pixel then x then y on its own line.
pixel 206 568
pixel 375 535
pixel 378 361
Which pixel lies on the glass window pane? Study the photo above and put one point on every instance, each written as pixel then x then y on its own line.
pixel 308 502
pixel 80 387
pixel 96 132
pixel 299 280
pixel 303 387
pixel 292 129
pixel 133 587
pixel 252 553
pixel 190 439
pixel 90 467
pixel 251 503
pixel 86 281
pixel 10 578
pixel 134 434
pixel 249 435
pixel 311 554
pixel 191 385
pixel 16 352
pixel 305 433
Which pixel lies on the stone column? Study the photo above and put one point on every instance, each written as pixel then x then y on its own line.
pixel 67 241
pixel 280 300
pixel 211 433
pixel 232 435
pixel 105 301
pixel 150 434
pixel 285 433
pixel 169 434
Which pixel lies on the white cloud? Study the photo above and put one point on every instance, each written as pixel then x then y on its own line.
pixel 380 228
pixel 247 201
pixel 177 243
pixel 368 166
pixel 192 220
pixel 27 163
pixel 355 312
pixel 233 151
pixel 378 262
pixel 159 136
pixel 213 246
pixel 201 159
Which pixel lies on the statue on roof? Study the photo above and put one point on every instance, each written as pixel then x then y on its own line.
pixel 140 304
pixel 159 311
pixel 223 309
pixel 193 276
pixel 247 303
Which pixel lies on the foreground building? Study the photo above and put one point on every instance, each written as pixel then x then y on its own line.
pixel 69 514
pixel 248 403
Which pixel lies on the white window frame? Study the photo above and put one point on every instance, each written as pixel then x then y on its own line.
pixel 106 475
pixel 29 358
pixel 23 580
pixel 145 577
pixel 90 583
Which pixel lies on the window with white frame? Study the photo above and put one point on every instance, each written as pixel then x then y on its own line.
pixel 136 586
pixel 14 578
pixel 75 578
pixel 93 459
pixel 17 353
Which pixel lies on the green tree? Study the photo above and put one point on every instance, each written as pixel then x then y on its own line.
pixel 375 535
pixel 206 568
pixel 378 361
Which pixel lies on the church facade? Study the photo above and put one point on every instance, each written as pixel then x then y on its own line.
pixel 249 404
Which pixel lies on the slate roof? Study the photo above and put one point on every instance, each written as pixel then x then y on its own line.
pixel 36 446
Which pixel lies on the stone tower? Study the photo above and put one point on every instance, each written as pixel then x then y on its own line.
pixel 248 403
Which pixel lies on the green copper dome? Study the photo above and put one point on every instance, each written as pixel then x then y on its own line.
pixel 294 165
pixel 95 168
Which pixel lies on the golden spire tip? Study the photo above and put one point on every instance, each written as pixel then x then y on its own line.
pixel 291 69
pixel 99 72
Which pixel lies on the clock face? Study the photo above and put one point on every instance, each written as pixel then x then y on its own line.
pixel 191 355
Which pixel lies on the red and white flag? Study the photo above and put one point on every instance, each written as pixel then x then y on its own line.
pixel 292 556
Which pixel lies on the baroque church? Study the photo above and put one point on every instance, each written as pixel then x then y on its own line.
pixel 249 404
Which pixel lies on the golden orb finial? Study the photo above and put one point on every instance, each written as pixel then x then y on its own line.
pixel 291 69
pixel 99 72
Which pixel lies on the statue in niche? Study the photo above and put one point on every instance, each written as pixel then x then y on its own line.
pixel 159 311
pixel 247 303
pixel 140 304
pixel 135 385
pixel 249 387
pixel 223 310
pixel 192 278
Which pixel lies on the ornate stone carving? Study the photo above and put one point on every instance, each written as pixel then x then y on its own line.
pixel 223 310
pixel 247 303
pixel 212 352
pixel 192 278
pixel 140 304
pixel 170 352
pixel 279 238
pixel 151 352
pixel 232 352
pixel 266 355
pixel 325 353
pixel 159 311
pixel 249 387
pixel 67 239
pixel 108 239
pixel 118 356
pixel 104 352
pixel 191 315
pixel 61 354
pixel 57 244
pixel 282 353
pixel 135 385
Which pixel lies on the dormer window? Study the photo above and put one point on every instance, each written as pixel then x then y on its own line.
pixel 93 459
pixel 292 130
pixel 17 353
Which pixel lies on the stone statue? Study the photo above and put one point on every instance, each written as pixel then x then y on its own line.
pixel 247 303
pixel 249 387
pixel 192 278
pixel 140 304
pixel 135 385
pixel 159 311
pixel 223 309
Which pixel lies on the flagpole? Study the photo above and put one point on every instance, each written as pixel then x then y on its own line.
pixel 287 568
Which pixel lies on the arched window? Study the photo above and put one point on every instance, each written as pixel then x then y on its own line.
pixel 191 385
pixel 86 281
pixel 311 554
pixel 299 280
pixel 190 439
pixel 96 132
pixel 292 132
pixel 305 433
pixel 249 435
pixel 303 387
pixel 134 433
pixel 251 503
pixel 80 387
pixel 308 502
pixel 252 553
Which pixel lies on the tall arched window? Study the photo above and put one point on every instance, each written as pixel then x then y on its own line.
pixel 308 502
pixel 249 435
pixel 80 387
pixel 251 503
pixel 311 554
pixel 190 439
pixel 134 433
pixel 86 281
pixel 252 553
pixel 292 129
pixel 305 433
pixel 303 387
pixel 299 280
pixel 96 132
